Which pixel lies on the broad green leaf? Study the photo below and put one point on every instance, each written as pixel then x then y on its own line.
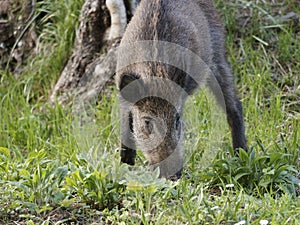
pixel 132 185
pixel 5 151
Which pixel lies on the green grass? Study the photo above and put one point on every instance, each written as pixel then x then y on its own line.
pixel 54 171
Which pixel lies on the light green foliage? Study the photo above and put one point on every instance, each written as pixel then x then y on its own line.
pixel 268 172
pixel 53 171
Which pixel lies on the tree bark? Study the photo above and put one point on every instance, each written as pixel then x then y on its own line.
pixel 93 61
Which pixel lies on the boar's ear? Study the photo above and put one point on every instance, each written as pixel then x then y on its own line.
pixel 126 79
pixel 130 87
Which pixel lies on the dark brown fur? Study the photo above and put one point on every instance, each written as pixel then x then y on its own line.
pixel 170 21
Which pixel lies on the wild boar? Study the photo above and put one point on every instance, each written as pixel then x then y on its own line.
pixel 168 50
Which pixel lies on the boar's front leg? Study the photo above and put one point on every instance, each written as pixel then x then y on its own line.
pixel 128 151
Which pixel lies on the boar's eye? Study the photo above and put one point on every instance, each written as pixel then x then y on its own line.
pixel 177 122
pixel 147 125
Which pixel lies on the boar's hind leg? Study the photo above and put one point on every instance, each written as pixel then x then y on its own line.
pixel 128 152
pixel 233 105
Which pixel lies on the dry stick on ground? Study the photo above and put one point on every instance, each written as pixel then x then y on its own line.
pixel 118 18
pixel 102 24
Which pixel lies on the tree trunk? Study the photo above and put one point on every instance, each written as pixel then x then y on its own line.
pixel 93 61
